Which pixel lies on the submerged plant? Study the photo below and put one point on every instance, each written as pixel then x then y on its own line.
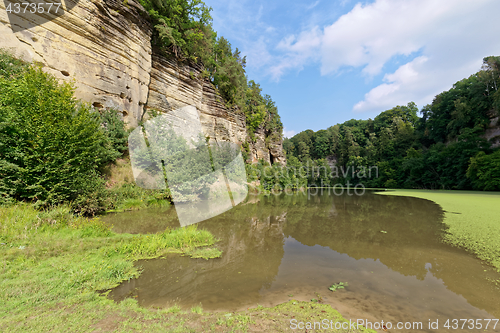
pixel 339 285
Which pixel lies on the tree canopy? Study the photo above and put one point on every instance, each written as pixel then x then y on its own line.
pixel 443 148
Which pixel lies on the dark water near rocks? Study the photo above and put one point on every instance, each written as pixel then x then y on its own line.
pixel 388 249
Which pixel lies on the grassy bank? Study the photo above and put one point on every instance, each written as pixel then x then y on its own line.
pixel 473 219
pixel 53 265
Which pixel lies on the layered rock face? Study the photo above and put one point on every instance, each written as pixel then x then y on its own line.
pixel 104 48
pixel 492 133
pixel 175 85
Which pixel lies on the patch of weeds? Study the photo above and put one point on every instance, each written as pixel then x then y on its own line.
pixel 197 309
pixel 92 227
pixel 236 322
pixel 130 204
pixel 276 318
pixel 173 309
pixel 183 239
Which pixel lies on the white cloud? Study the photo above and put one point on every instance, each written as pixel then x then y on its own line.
pixel 450 38
pixel 311 6
pixel 288 134
pixel 298 50
pixel 257 53
pixel 385 94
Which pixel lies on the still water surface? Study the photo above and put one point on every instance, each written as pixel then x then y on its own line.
pixel 388 249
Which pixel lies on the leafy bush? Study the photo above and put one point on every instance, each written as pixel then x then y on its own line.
pixel 114 128
pixel 484 171
pixel 52 148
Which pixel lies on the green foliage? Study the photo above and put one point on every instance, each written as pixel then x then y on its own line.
pixel 51 147
pixel 129 196
pixel 436 151
pixel 261 112
pixel 93 196
pixel 205 253
pixel 182 27
pixel 154 245
pixel 114 128
pixel 54 262
pixel 484 171
pixel 336 286
pixel 468 104
pixel 226 71
pixel 10 66
pixel 21 221
pixel 187 166
pixel 91 227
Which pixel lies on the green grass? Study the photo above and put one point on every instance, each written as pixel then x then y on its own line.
pixel 205 253
pixel 53 260
pixel 197 309
pixel 54 268
pixel 473 219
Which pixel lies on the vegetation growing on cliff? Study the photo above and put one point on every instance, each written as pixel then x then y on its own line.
pixel 183 28
pixel 55 150
pixel 444 148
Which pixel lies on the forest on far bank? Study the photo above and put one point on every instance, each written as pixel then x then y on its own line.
pixel 440 146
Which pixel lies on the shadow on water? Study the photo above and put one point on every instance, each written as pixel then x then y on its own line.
pixel 389 250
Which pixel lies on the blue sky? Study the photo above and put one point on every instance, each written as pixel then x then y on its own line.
pixel 324 62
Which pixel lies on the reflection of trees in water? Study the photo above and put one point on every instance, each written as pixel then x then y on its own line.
pixel 252 251
pixel 355 225
pixel 252 239
pixel 373 227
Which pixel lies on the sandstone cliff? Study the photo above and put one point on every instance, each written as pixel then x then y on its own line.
pixel 104 48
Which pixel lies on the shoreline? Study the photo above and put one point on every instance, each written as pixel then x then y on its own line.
pixel 473 219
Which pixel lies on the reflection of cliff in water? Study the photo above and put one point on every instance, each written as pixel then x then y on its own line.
pixel 404 234
pixel 252 250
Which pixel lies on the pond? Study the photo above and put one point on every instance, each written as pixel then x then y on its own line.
pixel 388 249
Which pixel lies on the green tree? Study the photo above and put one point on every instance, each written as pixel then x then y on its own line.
pixel 51 147
pixel 227 72
pixel 182 27
pixel 484 171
